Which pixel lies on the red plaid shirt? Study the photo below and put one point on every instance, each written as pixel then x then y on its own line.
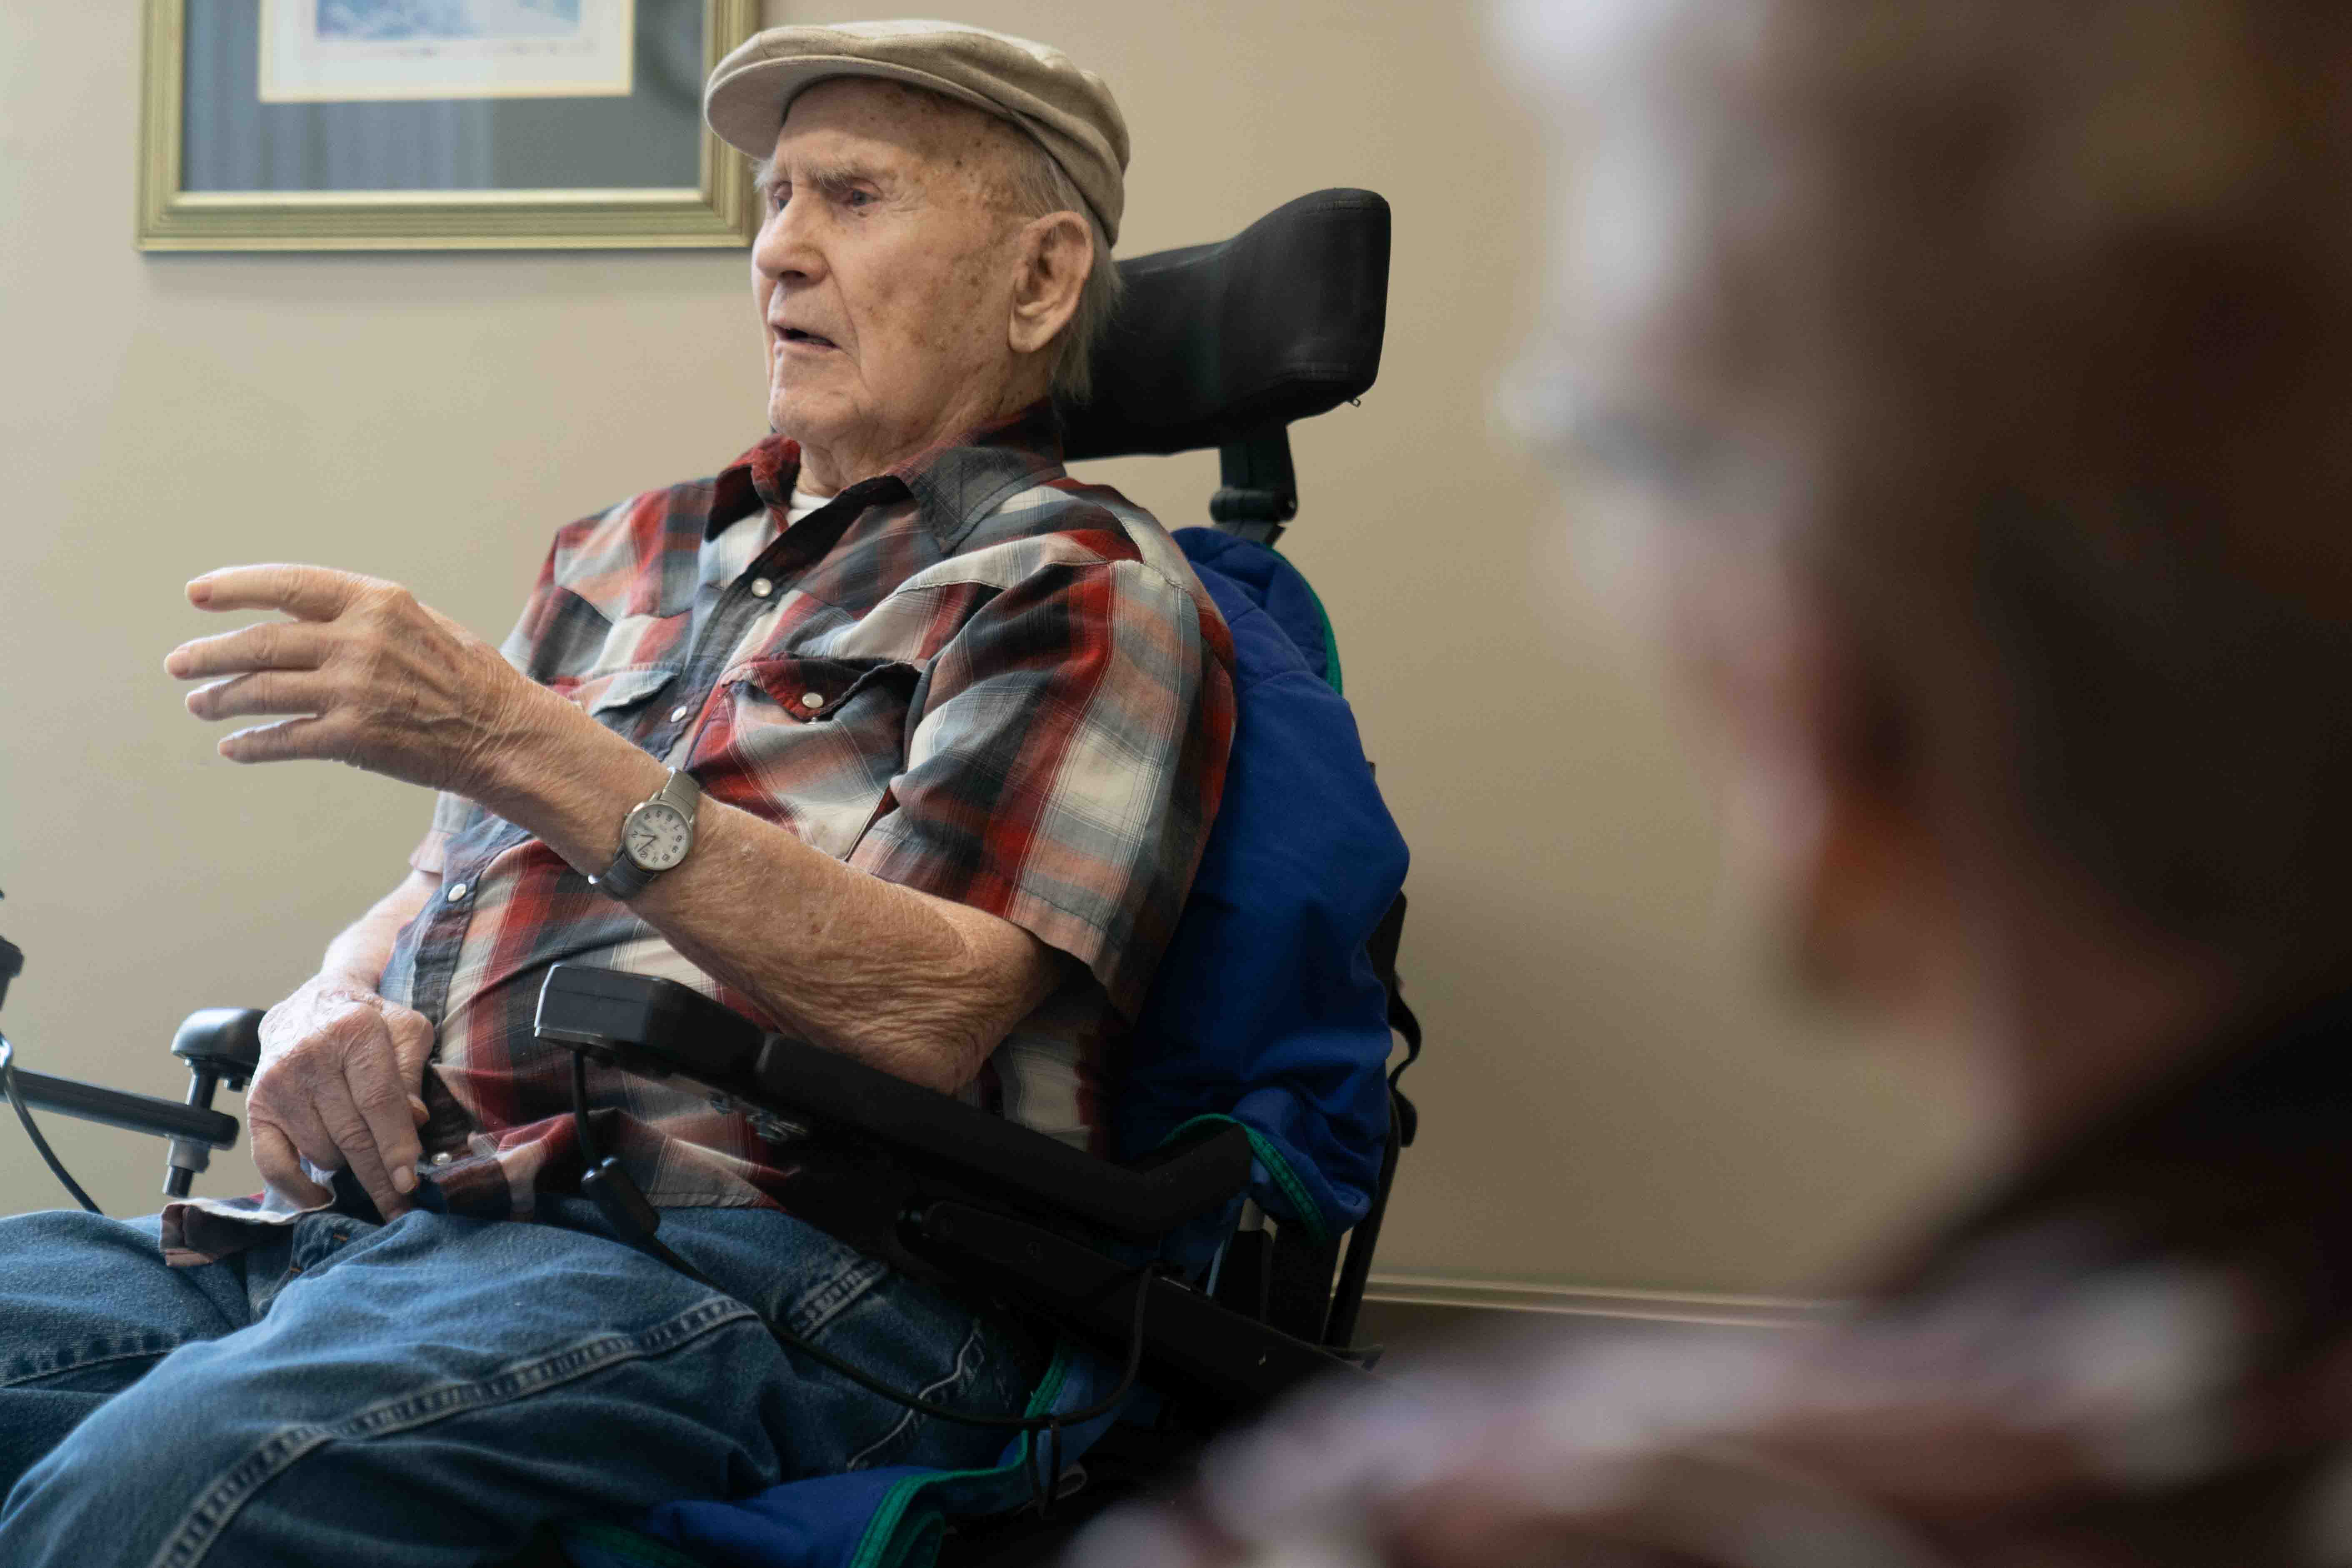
pixel 974 676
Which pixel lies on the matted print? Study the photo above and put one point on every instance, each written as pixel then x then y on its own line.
pixel 437 124
pixel 346 51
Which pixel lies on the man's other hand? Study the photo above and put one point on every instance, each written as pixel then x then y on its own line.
pixel 338 1085
pixel 373 677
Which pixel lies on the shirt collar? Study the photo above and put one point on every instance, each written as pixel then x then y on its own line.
pixel 954 484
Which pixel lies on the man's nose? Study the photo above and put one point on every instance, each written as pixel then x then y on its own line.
pixel 784 247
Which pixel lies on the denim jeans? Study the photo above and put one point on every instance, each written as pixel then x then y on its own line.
pixel 427 1391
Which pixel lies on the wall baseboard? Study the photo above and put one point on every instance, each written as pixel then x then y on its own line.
pixel 1416 1305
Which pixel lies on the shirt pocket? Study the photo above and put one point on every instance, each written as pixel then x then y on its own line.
pixel 854 691
pixel 616 698
pixel 812 743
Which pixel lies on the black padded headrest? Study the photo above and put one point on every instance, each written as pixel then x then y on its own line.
pixel 1215 343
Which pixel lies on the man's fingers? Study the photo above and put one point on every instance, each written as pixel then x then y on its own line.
pixel 272 645
pixel 376 1178
pixel 352 1136
pixel 281 1169
pixel 334 1097
pixel 289 740
pixel 382 1102
pixel 270 691
pixel 412 1042
pixel 284 1096
pixel 307 593
pixel 302 1127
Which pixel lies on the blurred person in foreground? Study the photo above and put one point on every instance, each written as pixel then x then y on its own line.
pixel 1975 380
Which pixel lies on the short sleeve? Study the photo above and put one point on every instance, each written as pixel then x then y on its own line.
pixel 1066 754
pixel 432 852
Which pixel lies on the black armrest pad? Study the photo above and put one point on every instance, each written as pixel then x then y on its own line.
pixel 659 1026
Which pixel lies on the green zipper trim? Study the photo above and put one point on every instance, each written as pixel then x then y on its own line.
pixel 1331 637
pixel 1309 1214
pixel 875 1548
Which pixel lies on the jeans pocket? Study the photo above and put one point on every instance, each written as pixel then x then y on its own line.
pixel 311 1243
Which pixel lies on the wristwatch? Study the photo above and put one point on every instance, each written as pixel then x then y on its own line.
pixel 655 836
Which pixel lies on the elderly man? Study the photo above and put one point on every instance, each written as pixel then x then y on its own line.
pixel 1975 375
pixel 892 734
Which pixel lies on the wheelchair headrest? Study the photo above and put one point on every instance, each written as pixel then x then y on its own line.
pixel 1216 343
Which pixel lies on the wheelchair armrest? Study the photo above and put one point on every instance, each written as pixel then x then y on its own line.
pixel 660 1027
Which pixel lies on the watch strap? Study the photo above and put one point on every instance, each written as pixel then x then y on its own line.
pixel 622 879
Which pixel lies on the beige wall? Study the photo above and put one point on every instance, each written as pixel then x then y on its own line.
pixel 1608 1099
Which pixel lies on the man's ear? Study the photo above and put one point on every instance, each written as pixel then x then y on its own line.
pixel 1052 256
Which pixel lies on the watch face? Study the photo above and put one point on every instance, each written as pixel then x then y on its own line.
pixel 656 836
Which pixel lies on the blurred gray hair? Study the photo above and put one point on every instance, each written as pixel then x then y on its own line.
pixel 1037 185
pixel 2047 308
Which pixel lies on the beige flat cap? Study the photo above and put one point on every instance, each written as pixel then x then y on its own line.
pixel 1067 111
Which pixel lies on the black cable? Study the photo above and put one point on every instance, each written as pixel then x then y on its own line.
pixel 32 1131
pixel 647 1243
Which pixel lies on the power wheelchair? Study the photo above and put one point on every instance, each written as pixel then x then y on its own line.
pixel 1218 345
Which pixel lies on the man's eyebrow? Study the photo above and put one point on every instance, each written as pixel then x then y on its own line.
pixel 836 175
pixel 766 174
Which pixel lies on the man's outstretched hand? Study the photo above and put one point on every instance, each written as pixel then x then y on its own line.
pixel 371 678
pixel 337 1083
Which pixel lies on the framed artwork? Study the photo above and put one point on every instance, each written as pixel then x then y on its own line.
pixel 437 125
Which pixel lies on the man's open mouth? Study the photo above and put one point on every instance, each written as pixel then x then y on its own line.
pixel 794 335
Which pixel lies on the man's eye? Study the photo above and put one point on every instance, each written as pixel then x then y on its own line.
pixel 777 196
pixel 856 199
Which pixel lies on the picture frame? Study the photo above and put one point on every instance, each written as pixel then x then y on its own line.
pixel 305 130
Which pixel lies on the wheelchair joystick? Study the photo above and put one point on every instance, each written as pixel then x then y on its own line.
pixel 220 1045
pixel 12 964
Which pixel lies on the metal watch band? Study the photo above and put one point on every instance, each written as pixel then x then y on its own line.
pixel 624 879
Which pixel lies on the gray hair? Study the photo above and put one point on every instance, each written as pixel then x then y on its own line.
pixel 1037 185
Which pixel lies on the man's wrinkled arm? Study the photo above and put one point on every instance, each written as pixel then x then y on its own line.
pixel 917 983
pixel 920 987
pixel 358 954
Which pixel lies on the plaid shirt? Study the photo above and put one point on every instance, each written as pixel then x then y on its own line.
pixel 974 676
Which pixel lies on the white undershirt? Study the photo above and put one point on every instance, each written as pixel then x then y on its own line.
pixel 741 541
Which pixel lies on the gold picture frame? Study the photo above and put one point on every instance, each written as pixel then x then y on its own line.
pixel 719 210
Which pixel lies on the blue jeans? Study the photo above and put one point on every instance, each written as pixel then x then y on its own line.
pixel 427 1392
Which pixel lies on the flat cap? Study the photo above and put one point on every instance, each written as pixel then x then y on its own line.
pixel 1068 111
